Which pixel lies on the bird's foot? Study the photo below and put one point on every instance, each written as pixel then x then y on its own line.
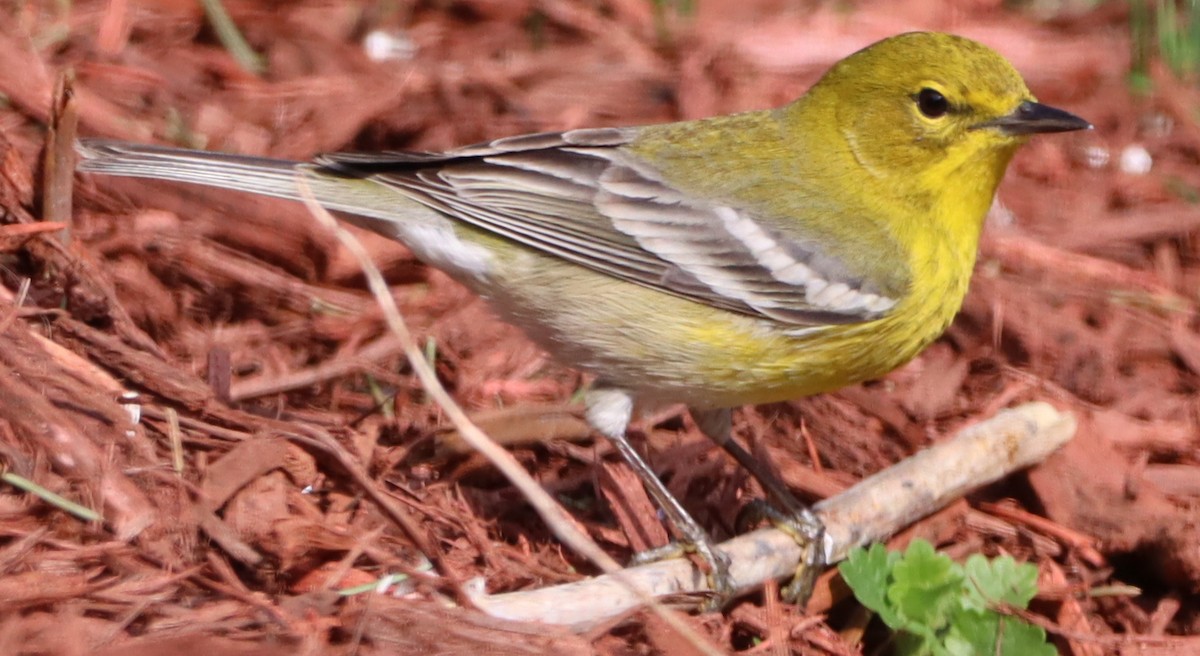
pixel 720 582
pixel 803 525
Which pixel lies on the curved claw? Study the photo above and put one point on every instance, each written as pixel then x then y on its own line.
pixel 720 581
pixel 806 529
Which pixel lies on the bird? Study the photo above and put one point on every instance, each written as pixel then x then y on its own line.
pixel 742 259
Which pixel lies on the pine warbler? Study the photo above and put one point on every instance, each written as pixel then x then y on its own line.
pixel 733 260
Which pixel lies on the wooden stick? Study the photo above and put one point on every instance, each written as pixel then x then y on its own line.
pixel 868 512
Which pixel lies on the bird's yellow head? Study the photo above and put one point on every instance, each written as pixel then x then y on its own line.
pixel 923 110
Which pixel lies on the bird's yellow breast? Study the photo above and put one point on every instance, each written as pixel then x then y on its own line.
pixel 707 357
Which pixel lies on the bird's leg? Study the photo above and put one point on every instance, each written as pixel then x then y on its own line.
pixel 789 515
pixel 610 412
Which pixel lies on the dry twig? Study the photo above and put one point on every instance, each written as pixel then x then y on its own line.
pixel 870 511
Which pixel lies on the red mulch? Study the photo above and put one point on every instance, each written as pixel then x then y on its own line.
pixel 249 336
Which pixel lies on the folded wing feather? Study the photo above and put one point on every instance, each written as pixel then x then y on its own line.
pixel 579 196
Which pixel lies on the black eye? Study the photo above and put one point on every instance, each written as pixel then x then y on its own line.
pixel 932 104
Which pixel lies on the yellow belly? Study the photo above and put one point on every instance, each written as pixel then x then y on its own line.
pixel 668 349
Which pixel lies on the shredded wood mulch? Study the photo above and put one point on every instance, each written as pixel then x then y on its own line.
pixel 208 373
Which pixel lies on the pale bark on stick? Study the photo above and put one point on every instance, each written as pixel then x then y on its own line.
pixel 869 512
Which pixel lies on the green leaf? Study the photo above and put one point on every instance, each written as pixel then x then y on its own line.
pixel 925 586
pixel 1020 638
pixel 956 645
pixel 940 608
pixel 974 630
pixel 1001 581
pixel 988 632
pixel 868 573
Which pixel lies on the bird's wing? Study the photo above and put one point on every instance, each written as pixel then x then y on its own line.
pixel 578 195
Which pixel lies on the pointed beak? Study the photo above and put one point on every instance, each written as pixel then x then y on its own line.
pixel 1033 118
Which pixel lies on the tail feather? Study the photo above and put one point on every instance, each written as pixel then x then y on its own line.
pixel 259 175
pixel 374 206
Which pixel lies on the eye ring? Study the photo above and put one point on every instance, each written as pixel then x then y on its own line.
pixel 932 103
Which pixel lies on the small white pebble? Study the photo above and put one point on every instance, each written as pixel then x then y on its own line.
pixel 1096 157
pixel 1135 159
pixel 382 45
pixel 134 410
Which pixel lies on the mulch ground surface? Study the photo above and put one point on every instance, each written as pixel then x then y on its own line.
pixel 209 372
